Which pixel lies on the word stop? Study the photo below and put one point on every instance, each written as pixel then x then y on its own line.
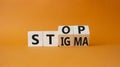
pixel 65 36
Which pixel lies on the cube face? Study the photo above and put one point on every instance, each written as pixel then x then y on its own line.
pixel 81 30
pixel 65 40
pixel 65 30
pixel 34 38
pixel 50 38
pixel 81 40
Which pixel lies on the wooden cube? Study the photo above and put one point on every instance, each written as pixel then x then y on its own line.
pixel 35 38
pixel 65 40
pixel 50 38
pixel 65 37
pixel 81 35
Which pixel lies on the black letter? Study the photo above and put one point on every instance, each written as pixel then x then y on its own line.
pixel 66 31
pixel 50 38
pixel 77 41
pixel 67 43
pixel 81 28
pixel 33 37
pixel 62 41
pixel 85 41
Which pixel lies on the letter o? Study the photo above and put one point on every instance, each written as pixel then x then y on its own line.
pixel 66 27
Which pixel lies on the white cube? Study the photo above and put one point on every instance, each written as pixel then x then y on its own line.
pixel 35 38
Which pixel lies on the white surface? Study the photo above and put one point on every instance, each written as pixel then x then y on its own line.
pixel 54 38
pixel 30 40
pixel 60 30
pixel 86 31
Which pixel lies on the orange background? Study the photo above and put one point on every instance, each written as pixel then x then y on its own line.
pixel 17 17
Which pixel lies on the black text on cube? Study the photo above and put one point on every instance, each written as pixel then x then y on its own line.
pixel 65 36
